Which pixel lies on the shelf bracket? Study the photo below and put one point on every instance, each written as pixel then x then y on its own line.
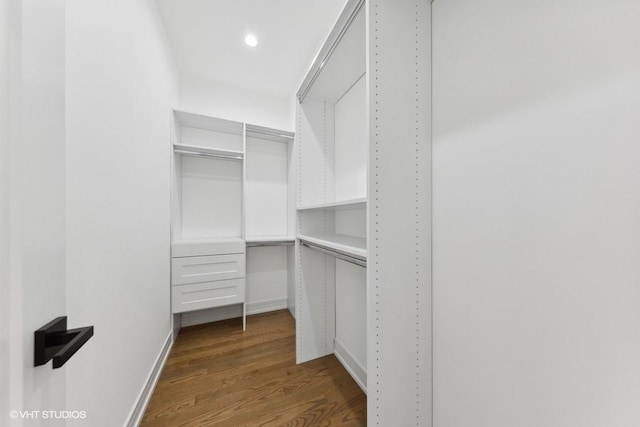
pixel 55 341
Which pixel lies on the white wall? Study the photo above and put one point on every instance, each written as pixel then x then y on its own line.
pixel 120 88
pixel 536 213
pixel 219 100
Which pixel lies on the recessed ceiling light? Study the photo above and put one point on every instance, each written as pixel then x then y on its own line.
pixel 251 40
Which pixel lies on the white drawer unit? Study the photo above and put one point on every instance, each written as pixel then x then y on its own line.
pixel 203 295
pixel 200 269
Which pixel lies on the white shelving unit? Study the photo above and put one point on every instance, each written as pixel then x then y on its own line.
pixel 270 217
pixel 363 272
pixel 230 180
pixel 331 295
pixel 208 247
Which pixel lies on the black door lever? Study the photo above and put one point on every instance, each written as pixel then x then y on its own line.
pixel 54 341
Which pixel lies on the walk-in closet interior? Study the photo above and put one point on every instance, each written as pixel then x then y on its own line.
pixel 320 213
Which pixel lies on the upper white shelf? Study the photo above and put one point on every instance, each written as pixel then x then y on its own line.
pixel 342 204
pixel 349 245
pixel 195 150
pixel 199 121
pixel 261 132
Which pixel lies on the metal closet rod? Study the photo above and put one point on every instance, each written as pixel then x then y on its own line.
pixel 334 253
pixel 260 244
pixel 216 156
pixel 343 24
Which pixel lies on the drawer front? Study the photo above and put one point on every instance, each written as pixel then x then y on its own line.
pixel 200 269
pixel 198 296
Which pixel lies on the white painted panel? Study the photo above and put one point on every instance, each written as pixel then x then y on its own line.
pixel 266 274
pixel 311 137
pixel 210 139
pixel 351 310
pixel 351 143
pixel 37 208
pixel 5 301
pixel 352 221
pixel 211 195
pixel 315 305
pixel 266 188
pixel 399 261
pixel 291 280
pixel 536 213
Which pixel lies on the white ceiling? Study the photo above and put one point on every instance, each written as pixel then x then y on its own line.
pixel 207 37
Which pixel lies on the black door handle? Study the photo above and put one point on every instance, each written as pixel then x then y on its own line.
pixel 54 341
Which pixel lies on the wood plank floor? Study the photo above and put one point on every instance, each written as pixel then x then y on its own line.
pixel 219 375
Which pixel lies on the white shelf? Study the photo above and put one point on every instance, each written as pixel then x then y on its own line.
pixel 208 152
pixel 213 124
pixel 343 204
pixel 349 245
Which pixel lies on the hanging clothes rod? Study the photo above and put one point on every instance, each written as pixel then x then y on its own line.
pixel 269 243
pixel 337 254
pixel 344 21
pixel 209 155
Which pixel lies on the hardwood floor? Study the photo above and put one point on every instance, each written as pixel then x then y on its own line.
pixel 219 375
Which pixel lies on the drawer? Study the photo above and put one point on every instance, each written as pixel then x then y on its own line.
pixel 198 296
pixel 199 269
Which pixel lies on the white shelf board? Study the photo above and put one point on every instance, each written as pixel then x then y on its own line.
pixel 350 245
pixel 214 124
pixel 206 151
pixel 342 204
pixel 261 132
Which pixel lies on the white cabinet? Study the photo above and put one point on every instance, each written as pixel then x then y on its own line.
pixel 232 218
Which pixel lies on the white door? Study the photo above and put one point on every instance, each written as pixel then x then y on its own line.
pixel 33 206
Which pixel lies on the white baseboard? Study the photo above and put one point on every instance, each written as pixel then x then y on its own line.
pixel 354 368
pixel 267 305
pixel 135 418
